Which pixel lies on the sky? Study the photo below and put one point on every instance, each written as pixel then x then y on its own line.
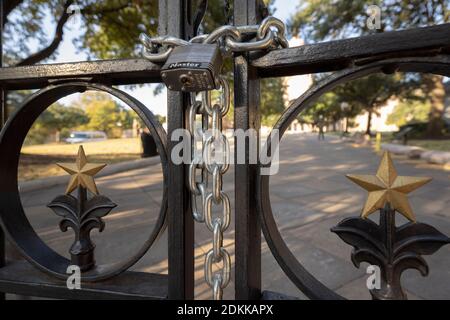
pixel 157 104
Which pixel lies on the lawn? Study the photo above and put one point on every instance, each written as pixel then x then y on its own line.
pixel 439 145
pixel 39 161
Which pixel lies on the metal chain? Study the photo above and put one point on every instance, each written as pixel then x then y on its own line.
pixel 206 165
pixel 269 35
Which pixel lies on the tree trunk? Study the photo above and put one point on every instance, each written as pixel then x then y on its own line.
pixel 369 122
pixel 436 91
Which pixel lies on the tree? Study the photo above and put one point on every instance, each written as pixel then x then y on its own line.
pixel 54 120
pixel 272 100
pixel 112 27
pixel 362 95
pixel 104 114
pixel 327 106
pixel 369 93
pixel 326 20
pixel 409 111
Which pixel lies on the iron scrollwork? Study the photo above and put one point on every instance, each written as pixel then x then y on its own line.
pixel 82 214
pixel 82 219
pixel 393 249
pixel 12 216
pixel 292 267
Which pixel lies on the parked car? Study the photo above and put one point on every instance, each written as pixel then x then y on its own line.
pixel 86 136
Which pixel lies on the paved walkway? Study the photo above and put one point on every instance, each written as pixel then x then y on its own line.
pixel 309 196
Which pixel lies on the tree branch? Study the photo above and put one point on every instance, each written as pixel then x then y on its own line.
pixel 8 7
pixel 51 48
pixel 101 11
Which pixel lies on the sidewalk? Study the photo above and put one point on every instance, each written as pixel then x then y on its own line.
pixel 309 196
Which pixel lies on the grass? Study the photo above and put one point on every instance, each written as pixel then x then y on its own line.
pixel 39 161
pixel 111 146
pixel 439 145
pixel 388 137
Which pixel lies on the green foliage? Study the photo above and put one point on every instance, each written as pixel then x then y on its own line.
pixel 111 29
pixel 362 95
pixel 272 89
pixel 322 19
pixel 105 114
pixel 23 24
pixel 272 100
pixel 409 111
pixel 328 106
pixel 161 119
pixel 325 19
pixel 113 26
pixel 94 111
pixel 371 92
pixel 318 20
pixel 56 119
pixel 141 124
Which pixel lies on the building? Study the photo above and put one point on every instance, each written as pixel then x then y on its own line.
pixel 297 85
pixel 378 123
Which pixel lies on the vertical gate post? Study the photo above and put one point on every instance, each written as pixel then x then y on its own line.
pixel 3 109
pixel 174 18
pixel 246 116
pixel 2 121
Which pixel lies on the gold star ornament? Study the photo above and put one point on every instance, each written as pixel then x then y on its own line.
pixel 82 173
pixel 387 187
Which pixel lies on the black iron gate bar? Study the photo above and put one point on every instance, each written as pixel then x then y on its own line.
pixel 246 116
pixel 3 116
pixel 310 58
pixel 174 16
pixel 419 50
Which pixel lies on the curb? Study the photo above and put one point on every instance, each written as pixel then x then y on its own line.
pixel 431 156
pixel 33 185
pixel 410 151
pixel 439 157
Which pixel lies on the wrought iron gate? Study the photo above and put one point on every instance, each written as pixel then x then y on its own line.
pixel 419 50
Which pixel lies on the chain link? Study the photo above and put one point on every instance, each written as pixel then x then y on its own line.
pixel 214 157
pixel 204 164
pixel 269 35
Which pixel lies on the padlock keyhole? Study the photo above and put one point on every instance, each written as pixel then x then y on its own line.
pixel 186 80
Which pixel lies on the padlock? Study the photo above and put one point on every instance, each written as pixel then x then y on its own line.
pixel 193 68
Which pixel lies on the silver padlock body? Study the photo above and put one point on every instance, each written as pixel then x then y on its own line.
pixel 192 68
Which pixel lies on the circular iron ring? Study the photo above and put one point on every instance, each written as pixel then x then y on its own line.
pixel 12 216
pixel 304 280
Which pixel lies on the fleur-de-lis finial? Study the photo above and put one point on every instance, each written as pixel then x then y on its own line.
pixel 394 249
pixel 82 214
